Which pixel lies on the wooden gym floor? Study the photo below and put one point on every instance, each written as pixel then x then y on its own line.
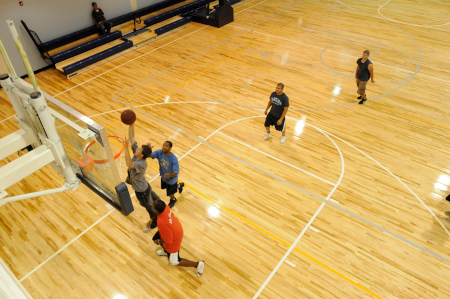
pixel 351 206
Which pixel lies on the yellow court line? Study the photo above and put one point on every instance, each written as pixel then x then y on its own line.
pixel 432 123
pixel 112 124
pixel 372 32
pixel 287 76
pixel 270 234
pixel 282 241
pixel 275 237
pixel 379 106
pixel 257 41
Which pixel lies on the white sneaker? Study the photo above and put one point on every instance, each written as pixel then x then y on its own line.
pixel 146 230
pixel 266 136
pixel 161 252
pixel 283 139
pixel 200 267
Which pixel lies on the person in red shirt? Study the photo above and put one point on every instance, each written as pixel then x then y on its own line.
pixel 170 235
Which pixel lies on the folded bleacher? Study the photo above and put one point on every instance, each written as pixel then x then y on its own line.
pixel 97 57
pixel 83 33
pixel 177 11
pixel 67 60
pixel 86 46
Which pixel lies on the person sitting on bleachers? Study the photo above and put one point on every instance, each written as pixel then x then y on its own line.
pixel 100 20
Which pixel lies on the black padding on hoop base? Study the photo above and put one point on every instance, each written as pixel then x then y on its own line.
pixel 125 199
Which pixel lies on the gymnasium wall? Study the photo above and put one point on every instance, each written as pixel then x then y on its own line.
pixel 51 19
pixel 145 3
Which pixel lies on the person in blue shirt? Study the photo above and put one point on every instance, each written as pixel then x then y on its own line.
pixel 169 170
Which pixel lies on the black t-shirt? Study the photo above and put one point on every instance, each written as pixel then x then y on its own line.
pixel 99 16
pixel 363 73
pixel 278 104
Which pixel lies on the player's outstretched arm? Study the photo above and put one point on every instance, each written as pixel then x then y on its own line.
pixel 130 164
pixel 131 133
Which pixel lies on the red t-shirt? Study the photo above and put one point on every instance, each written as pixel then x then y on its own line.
pixel 170 230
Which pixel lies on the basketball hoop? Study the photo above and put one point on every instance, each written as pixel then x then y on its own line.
pixel 99 160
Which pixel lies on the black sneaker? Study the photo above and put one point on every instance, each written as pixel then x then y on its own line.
pixel 362 101
pixel 172 202
pixel 359 98
pixel 154 224
pixel 180 187
pixel 448 197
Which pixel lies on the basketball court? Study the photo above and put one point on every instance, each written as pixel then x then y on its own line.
pixel 351 206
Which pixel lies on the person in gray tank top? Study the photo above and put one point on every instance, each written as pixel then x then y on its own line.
pixel 364 72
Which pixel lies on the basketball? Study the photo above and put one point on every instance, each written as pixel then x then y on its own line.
pixel 128 117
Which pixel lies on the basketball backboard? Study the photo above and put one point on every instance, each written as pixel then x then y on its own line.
pixel 95 157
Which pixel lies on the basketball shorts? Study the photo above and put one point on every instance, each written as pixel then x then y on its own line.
pixel 271 120
pixel 170 189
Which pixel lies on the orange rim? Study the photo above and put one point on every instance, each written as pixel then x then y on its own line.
pixel 103 161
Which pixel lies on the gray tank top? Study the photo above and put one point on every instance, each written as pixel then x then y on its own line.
pixel 363 73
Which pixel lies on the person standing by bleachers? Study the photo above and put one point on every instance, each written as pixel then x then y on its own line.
pixel 100 20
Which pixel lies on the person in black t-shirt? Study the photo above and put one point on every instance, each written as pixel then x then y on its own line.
pixel 364 72
pixel 100 20
pixel 277 115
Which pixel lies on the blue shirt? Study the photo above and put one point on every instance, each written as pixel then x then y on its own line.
pixel 167 164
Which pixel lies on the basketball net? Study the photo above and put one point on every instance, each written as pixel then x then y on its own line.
pixel 98 154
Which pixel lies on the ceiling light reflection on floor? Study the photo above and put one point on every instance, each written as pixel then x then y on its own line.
pixel 214 211
pixel 299 126
pixel 337 90
pixel 442 183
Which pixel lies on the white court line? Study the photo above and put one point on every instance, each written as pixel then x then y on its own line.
pixel 314 229
pixel 416 25
pixel 417 197
pixel 148 176
pixel 7 118
pixel 104 113
pixel 118 67
pixel 435 17
pixel 290 263
pixel 275 158
pixel 65 246
pixel 310 221
pixel 332 200
pixel 398 179
pixel 73 240
pixel 327 50
pixel 335 201
pixel 143 55
pixel 283 259
pixel 250 7
pixel 380 15
pixel 408 71
pixel 13 288
pixel 129 61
